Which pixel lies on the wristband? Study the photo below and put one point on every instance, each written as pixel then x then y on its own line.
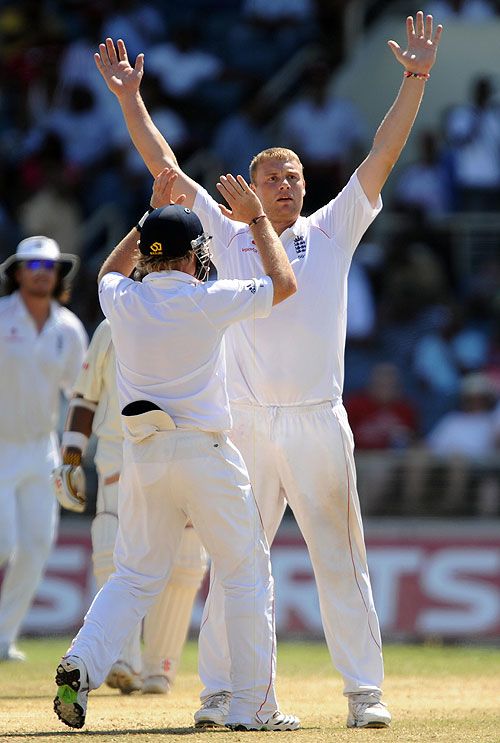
pixel 417 75
pixel 73 457
pixel 139 224
pixel 81 402
pixel 256 219
pixel 74 439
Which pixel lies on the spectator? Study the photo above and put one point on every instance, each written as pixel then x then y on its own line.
pixel 492 366
pixel 279 12
pixel 327 132
pixel 382 419
pixel 465 437
pixel 274 31
pixel 140 23
pixel 195 79
pixel 89 146
pixel 81 126
pixel 470 10
pixel 412 286
pixel 52 208
pixel 473 132
pixel 468 431
pixel 453 348
pixel 381 416
pixel 423 188
pixel 181 65
pixel 482 288
pixel 361 311
pixel 241 135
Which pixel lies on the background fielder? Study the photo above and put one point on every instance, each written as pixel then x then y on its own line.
pixel 41 349
pixel 95 407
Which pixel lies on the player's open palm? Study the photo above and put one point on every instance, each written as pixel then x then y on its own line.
pixel 422 44
pixel 243 201
pixel 163 187
pixel 113 64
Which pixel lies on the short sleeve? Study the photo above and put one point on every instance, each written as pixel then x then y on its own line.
pixel 90 378
pixel 78 341
pixel 111 286
pixel 229 301
pixel 220 228
pixel 347 217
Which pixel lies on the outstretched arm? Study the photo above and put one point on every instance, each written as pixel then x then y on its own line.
pixel 418 59
pixel 124 81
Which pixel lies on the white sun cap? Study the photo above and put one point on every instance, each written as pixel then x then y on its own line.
pixel 40 247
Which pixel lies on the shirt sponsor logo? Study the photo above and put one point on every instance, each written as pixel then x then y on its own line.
pixel 251 249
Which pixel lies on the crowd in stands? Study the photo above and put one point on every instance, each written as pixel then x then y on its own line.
pixel 423 339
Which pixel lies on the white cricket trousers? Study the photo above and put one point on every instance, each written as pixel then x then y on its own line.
pixel 171 477
pixel 28 521
pixel 304 455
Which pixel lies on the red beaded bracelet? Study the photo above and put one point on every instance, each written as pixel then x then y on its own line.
pixel 418 75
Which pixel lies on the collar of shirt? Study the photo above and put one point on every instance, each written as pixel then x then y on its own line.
pixel 295 230
pixel 22 311
pixel 169 277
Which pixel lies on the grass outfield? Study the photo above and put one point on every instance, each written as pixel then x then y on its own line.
pixel 448 694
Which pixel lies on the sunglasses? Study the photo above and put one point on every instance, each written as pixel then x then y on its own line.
pixel 38 265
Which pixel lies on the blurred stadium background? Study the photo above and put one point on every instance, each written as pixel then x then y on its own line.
pixel 224 79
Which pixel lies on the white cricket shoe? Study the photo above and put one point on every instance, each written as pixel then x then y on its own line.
pixel 155 685
pixel 367 711
pixel 9 652
pixel 123 677
pixel 70 704
pixel 277 722
pixel 213 711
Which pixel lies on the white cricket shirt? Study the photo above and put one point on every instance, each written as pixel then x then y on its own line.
pixel 168 335
pixel 35 367
pixel 97 382
pixel 296 356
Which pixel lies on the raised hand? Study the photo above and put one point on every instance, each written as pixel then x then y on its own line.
pixel 119 75
pixel 162 189
pixel 245 204
pixel 422 44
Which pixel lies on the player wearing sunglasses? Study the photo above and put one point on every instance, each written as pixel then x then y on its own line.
pixel 42 345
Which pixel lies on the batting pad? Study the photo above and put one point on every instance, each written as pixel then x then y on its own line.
pixel 167 622
pixel 103 531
